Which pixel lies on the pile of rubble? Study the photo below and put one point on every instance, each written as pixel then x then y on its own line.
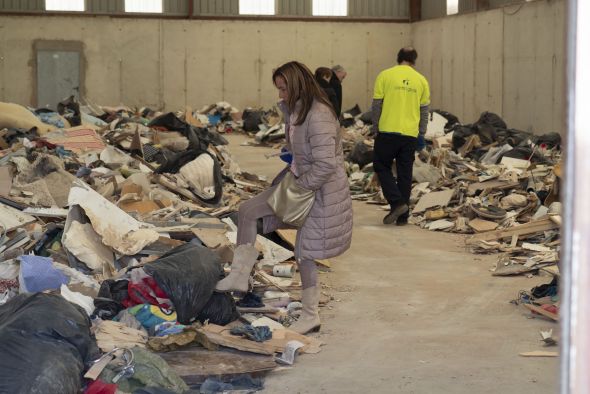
pixel 130 214
pixel 498 185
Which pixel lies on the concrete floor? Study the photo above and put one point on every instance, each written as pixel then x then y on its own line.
pixel 414 312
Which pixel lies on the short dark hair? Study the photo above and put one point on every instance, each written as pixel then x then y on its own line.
pixel 407 54
pixel 323 72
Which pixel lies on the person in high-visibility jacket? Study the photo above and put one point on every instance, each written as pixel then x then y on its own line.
pixel 400 114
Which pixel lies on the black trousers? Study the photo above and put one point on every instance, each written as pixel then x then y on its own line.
pixel 401 148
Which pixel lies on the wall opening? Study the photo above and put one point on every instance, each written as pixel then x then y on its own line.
pixel 257 7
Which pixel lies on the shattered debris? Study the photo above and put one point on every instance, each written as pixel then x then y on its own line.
pixel 129 214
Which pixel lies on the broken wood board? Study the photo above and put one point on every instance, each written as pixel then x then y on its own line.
pixel 47 212
pixel 440 225
pixel 512 163
pixel 211 336
pixel 290 237
pixel 494 184
pixel 541 311
pixel 522 229
pixel 11 218
pixel 480 225
pixel 141 207
pixel 518 269
pixel 111 334
pixel 195 364
pixel 536 247
pixel 211 232
pixel 552 269
pixel 434 199
pixel 539 353
pixel 5 181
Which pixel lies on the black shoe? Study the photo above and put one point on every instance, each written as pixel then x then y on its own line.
pixel 395 213
pixel 401 221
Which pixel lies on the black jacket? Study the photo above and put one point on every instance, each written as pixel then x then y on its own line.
pixel 327 88
pixel 337 86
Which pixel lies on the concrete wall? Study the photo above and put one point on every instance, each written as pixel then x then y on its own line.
pixel 510 61
pixel 168 64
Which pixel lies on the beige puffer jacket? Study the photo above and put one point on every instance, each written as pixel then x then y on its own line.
pixel 327 231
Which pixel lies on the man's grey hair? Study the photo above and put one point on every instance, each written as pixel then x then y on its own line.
pixel 338 68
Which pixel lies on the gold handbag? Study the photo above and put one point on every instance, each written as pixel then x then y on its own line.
pixel 290 202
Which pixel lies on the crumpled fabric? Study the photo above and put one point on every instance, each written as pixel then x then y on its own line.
pixel 146 292
pixel 151 370
pixel 250 300
pixel 258 334
pixel 38 274
pixel 151 316
pixel 100 387
pixel 109 301
pixel 214 386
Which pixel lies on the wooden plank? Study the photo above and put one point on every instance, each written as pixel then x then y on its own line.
pixel 480 225
pixel 212 237
pixel 542 311
pixel 290 237
pixel 517 269
pixel 11 218
pixel 523 229
pixel 434 199
pixel 212 334
pixel 493 184
pixel 539 353
pixel 5 181
pixel 195 364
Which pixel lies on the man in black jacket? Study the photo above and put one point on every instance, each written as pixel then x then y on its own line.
pixel 323 75
pixel 338 75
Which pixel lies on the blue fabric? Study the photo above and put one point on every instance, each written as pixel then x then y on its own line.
pixel 287 158
pixel 150 315
pixel 421 144
pixel 258 334
pixel 38 274
pixel 168 328
pixel 51 118
pixel 214 119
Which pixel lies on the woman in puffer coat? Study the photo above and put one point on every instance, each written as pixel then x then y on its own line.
pixel 317 162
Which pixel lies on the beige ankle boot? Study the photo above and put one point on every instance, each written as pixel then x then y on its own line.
pixel 309 320
pixel 245 257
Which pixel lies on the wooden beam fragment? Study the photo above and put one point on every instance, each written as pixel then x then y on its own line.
pixel 520 230
pixel 542 311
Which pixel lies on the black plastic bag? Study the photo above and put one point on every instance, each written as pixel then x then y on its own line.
pixel 452 120
pixel 367 117
pixel 491 119
pixel 524 153
pixel 354 111
pixel 109 301
pixel 188 274
pixel 175 161
pixel 550 139
pixel 45 343
pixel 70 109
pixel 220 309
pixel 361 154
pixel 199 137
pixel 251 119
pixel 487 134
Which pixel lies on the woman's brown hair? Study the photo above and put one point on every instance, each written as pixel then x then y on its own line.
pixel 301 86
